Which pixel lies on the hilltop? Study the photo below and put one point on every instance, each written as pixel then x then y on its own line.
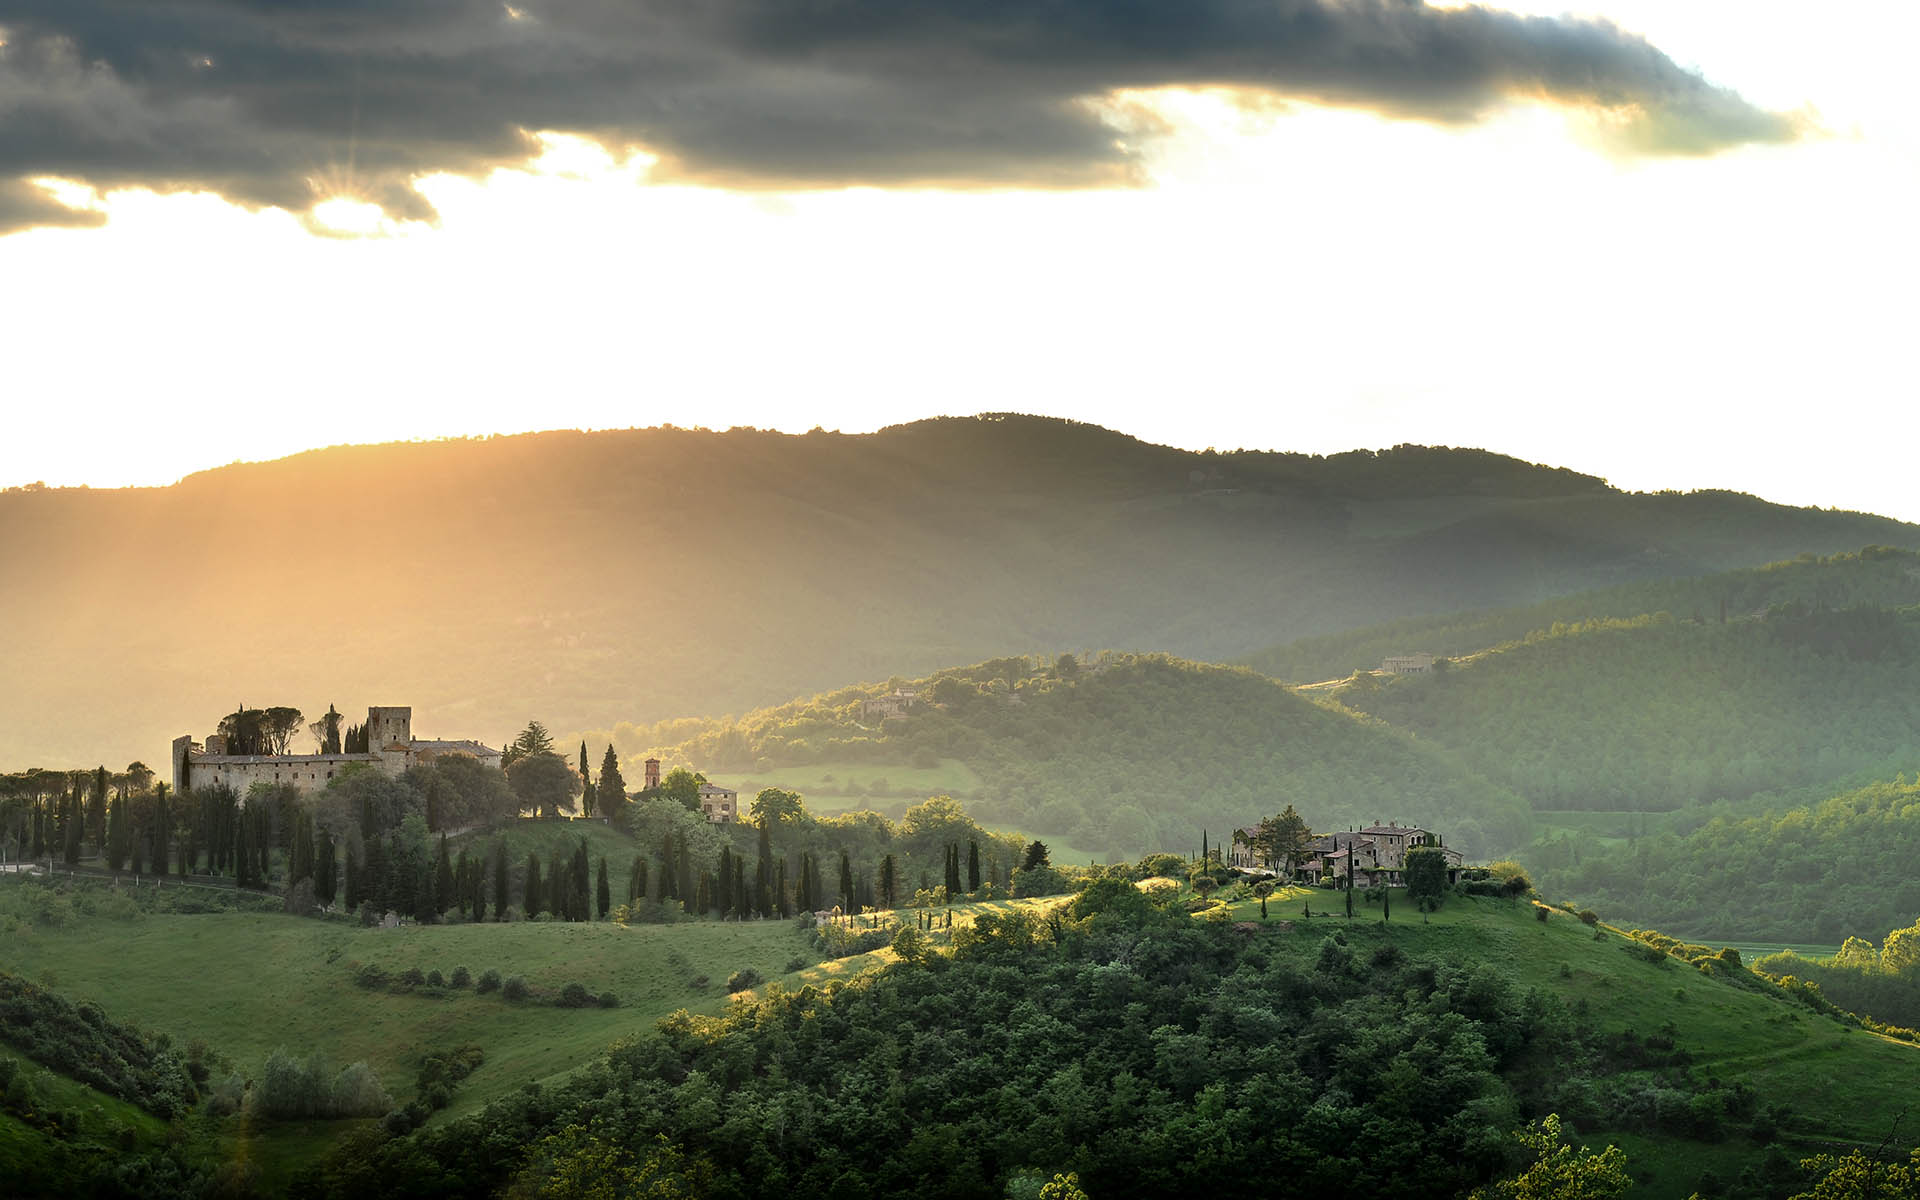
pixel 640 574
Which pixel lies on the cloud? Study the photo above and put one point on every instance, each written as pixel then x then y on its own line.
pixel 291 102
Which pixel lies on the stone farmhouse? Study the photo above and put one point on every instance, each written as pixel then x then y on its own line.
pixel 1418 663
pixel 897 703
pixel 1376 854
pixel 391 748
pixel 721 805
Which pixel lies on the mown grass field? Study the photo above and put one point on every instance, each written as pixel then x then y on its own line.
pixel 248 983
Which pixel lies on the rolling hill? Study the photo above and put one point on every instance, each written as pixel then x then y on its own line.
pixel 1880 576
pixel 1655 714
pixel 586 578
pixel 1127 754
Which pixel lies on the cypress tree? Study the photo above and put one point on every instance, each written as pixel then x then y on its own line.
pixel 703 899
pixel 477 888
pixel 500 897
pixel 848 902
pixel 587 799
pixel 740 902
pixel 637 880
pixel 39 832
pixel 603 892
pixel 530 903
pixel 97 809
pixel 668 879
pixel 352 881
pixel 612 792
pixel 583 884
pixel 71 850
pixel 462 884
pixel 888 883
pixel 301 864
pixel 375 886
pixel 973 865
pixel 686 879
pixel 559 892
pixel 324 865
pixel 780 888
pixel 723 883
pixel 243 855
pixel 443 880
pixel 953 869
pixel 116 834
pixel 162 829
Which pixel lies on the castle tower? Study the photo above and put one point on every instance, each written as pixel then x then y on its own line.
pixel 653 773
pixel 388 726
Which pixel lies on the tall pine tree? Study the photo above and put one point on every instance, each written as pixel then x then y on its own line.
pixel 973 865
pixel 888 882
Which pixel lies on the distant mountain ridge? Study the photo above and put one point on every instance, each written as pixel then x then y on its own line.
pixel 585 578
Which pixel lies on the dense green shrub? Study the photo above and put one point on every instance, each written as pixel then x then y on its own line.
pixel 79 1040
pixel 575 995
pixel 290 1089
pixel 461 977
pixel 514 988
pixel 489 981
pixel 744 979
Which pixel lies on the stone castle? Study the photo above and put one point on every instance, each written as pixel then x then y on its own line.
pixel 391 748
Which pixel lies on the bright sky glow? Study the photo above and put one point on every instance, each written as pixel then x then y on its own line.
pixel 1290 277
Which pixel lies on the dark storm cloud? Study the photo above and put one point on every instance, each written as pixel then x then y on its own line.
pixel 284 101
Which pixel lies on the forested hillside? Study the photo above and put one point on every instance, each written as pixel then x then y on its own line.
pixel 1150 1054
pixel 1125 754
pixel 1821 873
pixel 1879 576
pixel 1657 713
pixel 641 574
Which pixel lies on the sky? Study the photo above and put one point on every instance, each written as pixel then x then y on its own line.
pixel 1667 242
